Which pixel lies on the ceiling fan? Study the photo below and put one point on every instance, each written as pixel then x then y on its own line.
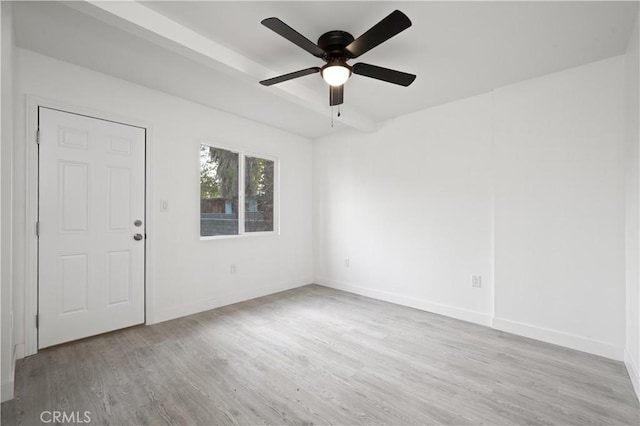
pixel 337 47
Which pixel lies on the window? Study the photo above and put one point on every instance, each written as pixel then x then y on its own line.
pixel 258 184
pixel 222 174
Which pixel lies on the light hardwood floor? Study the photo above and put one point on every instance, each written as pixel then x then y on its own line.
pixel 317 355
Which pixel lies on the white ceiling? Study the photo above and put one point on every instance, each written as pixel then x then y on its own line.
pixel 457 49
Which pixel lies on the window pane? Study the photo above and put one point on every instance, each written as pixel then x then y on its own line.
pixel 218 191
pixel 258 203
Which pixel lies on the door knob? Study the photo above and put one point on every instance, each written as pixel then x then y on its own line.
pixel 137 237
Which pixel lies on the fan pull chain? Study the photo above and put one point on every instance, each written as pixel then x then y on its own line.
pixel 332 110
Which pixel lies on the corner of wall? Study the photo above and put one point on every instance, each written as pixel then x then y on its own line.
pixel 632 288
pixel 634 372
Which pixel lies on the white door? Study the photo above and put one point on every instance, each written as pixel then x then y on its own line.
pixel 91 226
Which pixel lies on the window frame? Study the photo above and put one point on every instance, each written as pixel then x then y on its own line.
pixel 241 193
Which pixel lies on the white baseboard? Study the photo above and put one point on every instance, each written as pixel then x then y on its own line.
pixel 19 351
pixel 184 310
pixel 556 337
pixel 6 392
pixel 7 386
pixel 412 302
pixel 224 300
pixel 560 338
pixel 634 372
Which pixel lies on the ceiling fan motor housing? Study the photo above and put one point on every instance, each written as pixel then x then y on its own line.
pixel 333 43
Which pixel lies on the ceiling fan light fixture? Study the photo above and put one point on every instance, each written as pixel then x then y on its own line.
pixel 336 73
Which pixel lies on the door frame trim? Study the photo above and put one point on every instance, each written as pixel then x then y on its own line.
pixel 31 196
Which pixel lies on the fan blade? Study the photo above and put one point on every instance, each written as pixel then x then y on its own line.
pixel 384 74
pixel 290 76
pixel 390 26
pixel 293 36
pixel 336 94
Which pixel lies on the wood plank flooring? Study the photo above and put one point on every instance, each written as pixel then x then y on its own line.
pixel 317 355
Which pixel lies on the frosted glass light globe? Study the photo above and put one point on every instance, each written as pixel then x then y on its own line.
pixel 336 75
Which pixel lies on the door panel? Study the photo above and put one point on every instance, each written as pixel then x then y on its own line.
pixel 91 191
pixel 73 198
pixel 119 196
pixel 119 271
pixel 75 279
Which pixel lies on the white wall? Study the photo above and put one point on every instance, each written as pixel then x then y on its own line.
pixel 632 352
pixel 6 72
pixel 413 207
pixel 559 208
pixel 188 275
pixel 410 206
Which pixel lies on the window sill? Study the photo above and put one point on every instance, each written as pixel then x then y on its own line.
pixel 245 235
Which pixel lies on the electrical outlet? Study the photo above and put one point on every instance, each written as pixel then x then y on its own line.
pixel 233 269
pixel 476 281
pixel 347 263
